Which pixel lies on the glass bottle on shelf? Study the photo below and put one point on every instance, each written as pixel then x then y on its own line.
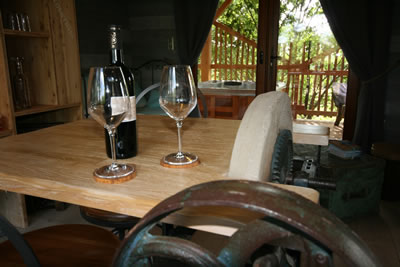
pixel 22 22
pixel 21 92
pixel 27 22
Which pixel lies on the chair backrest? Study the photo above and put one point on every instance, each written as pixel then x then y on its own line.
pixel 286 220
pixel 146 91
pixel 266 116
pixel 339 91
pixel 23 248
pixel 57 245
pixel 194 113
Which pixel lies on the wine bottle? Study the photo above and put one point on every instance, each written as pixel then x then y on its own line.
pixel 125 134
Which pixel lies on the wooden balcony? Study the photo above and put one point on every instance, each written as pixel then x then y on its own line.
pixel 308 80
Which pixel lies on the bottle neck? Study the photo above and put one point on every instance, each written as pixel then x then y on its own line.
pixel 116 56
pixel 19 69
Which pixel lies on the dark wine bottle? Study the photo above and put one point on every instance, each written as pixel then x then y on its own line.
pixel 125 134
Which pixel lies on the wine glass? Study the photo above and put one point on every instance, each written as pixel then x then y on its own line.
pixel 108 103
pixel 178 98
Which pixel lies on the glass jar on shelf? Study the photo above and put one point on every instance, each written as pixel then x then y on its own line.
pixel 18 22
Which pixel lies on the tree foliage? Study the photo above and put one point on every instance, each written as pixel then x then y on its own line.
pixel 300 21
pixel 242 16
pixel 304 21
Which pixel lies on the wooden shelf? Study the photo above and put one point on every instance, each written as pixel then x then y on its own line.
pixel 13 33
pixel 44 108
pixel 51 65
pixel 4 133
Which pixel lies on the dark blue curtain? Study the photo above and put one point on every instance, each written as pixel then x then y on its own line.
pixel 193 21
pixel 363 29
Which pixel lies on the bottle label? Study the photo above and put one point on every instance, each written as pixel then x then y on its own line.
pixel 132 114
pixel 116 103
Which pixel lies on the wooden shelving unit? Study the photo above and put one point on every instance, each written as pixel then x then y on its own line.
pixel 4 133
pixel 51 62
pixel 8 32
pixel 52 68
pixel 44 108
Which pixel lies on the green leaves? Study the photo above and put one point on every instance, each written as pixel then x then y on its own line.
pixel 242 16
pixel 302 16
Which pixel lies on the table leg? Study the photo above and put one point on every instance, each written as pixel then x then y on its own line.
pixel 13 207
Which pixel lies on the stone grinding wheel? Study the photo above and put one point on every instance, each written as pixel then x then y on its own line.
pixel 266 116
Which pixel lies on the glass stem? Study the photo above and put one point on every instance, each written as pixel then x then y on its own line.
pixel 111 133
pixel 179 155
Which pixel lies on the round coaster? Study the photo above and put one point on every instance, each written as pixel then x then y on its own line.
pixel 189 165
pixel 116 180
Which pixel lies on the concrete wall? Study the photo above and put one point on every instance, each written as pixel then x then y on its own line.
pixel 93 17
pixel 148 30
pixel 392 112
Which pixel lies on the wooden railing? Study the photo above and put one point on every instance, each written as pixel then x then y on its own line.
pixel 308 80
pixel 233 56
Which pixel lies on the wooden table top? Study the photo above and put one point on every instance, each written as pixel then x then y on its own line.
pixel 57 163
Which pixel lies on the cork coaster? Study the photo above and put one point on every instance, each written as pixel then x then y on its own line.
pixel 189 165
pixel 116 180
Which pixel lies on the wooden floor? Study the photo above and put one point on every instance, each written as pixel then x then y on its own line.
pixel 380 231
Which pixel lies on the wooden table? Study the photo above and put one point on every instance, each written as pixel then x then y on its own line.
pixel 57 163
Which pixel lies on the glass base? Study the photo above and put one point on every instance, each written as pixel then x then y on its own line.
pixel 114 172
pixel 183 159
